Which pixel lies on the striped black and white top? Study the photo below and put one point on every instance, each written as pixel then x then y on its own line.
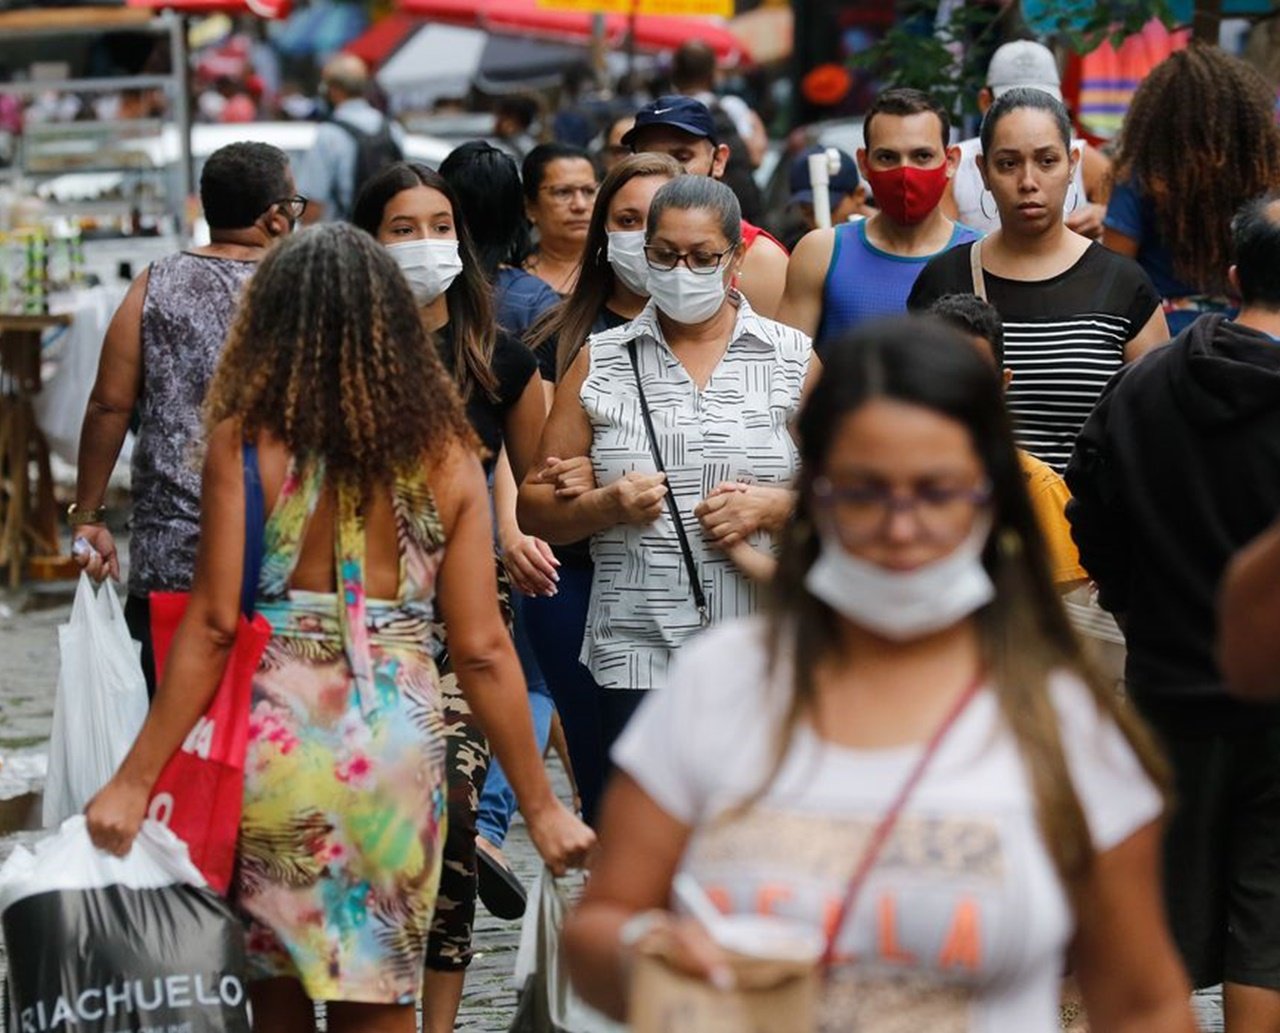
pixel 737 428
pixel 1064 337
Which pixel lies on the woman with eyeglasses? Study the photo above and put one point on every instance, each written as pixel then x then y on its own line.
pixel 908 756
pixel 611 290
pixel 414 212
pixel 559 190
pixel 677 409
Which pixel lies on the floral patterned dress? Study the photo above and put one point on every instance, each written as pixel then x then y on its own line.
pixel 344 796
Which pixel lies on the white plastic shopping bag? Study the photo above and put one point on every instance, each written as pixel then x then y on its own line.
pixel 100 944
pixel 547 1002
pixel 101 704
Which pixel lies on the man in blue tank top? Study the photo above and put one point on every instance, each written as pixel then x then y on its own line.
pixel 840 277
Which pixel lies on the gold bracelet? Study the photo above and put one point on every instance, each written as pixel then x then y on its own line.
pixel 77 517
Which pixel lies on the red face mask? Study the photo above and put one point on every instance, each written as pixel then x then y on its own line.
pixel 907 194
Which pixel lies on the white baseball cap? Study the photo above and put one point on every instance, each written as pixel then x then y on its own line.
pixel 1024 63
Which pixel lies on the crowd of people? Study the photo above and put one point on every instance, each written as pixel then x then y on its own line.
pixel 773 546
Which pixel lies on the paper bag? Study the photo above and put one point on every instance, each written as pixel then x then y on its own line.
pixel 771 996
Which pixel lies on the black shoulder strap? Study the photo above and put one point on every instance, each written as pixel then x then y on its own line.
pixel 380 135
pixel 690 566
pixel 358 135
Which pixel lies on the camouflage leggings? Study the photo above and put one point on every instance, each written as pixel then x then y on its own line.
pixel 467 762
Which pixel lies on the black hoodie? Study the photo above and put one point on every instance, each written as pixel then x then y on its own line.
pixel 1176 470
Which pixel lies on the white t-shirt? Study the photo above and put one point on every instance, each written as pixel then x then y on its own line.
pixel 963 923
pixel 976 205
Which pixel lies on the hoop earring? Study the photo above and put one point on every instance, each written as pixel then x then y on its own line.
pixel 982 207
pixel 1076 203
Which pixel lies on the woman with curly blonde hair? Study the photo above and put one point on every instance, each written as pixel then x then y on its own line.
pixel 377 510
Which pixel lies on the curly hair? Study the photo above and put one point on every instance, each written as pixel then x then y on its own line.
pixel 328 354
pixel 1199 140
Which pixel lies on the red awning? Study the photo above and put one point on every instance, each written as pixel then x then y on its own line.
pixel 653 32
pixel 260 8
pixel 377 42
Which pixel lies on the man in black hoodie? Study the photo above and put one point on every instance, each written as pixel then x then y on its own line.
pixel 1176 470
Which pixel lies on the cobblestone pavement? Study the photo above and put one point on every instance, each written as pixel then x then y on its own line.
pixel 28 677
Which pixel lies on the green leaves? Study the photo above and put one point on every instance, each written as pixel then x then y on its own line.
pixel 949 60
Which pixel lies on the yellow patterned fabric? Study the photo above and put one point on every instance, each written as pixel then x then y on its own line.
pixel 344 797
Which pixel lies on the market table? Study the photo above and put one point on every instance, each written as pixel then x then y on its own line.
pixel 28 512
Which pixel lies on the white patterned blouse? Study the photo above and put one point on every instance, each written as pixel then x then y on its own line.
pixel 737 428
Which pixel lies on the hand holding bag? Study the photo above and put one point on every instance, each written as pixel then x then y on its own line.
pixel 547 1001
pixel 199 794
pixel 772 994
pixel 100 944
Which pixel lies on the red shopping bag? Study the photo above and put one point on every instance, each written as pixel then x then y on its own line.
pixel 200 791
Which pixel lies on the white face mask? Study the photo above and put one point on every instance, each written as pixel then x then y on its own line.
pixel 626 256
pixel 904 605
pixel 430 266
pixel 686 296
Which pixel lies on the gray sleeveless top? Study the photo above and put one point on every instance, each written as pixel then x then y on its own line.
pixel 189 305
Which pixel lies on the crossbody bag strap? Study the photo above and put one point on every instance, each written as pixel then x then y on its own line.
pixel 254 522
pixel 975 269
pixel 880 835
pixel 690 566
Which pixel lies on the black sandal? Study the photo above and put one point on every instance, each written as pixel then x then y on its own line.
pixel 498 888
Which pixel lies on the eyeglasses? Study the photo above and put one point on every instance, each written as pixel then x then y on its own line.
pixel 296 205
pixel 861 514
pixel 664 259
pixel 565 195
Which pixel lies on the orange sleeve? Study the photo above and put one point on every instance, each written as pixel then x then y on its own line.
pixel 1049 498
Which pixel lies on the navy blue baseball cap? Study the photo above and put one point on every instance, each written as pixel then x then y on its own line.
pixel 684 113
pixel 841 183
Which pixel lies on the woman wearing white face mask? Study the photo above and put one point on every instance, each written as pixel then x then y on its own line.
pixel 685 413
pixel 415 213
pixel 611 290
pixel 910 755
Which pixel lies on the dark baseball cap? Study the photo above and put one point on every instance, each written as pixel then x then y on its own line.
pixel 843 182
pixel 684 113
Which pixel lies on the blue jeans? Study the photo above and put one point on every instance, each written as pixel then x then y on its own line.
pixel 556 628
pixel 498 800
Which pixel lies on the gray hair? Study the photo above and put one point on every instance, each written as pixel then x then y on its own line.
pixel 347 73
pixel 696 193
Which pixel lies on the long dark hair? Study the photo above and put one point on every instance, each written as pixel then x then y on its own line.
pixel 1200 139
pixel 568 325
pixel 328 354
pixel 487 184
pixel 469 296
pixel 1025 632
pixel 1015 100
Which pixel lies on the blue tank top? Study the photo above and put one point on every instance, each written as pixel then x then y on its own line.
pixel 864 281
